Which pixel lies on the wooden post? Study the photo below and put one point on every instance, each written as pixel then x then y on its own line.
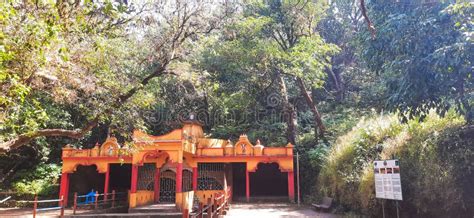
pixel 209 209
pixel 96 199
pixel 61 201
pixel 216 205
pixel 113 198
pixel 35 206
pixel 74 207
pixel 298 176
pixel 200 210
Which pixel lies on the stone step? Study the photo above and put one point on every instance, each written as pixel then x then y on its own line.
pixel 127 215
pixel 155 208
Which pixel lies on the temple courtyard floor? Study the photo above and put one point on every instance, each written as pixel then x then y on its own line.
pixel 244 210
pixel 261 210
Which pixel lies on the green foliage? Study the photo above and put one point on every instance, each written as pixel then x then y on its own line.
pixel 424 55
pixel 43 180
pixel 433 156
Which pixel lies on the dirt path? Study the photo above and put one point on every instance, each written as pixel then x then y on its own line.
pixel 27 213
pixel 264 210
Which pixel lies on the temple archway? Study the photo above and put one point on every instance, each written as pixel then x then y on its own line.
pixel 238 181
pixel 120 177
pixel 86 179
pixel 167 186
pixel 268 180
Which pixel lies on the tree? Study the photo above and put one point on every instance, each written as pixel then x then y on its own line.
pixel 340 27
pixel 64 32
pixel 428 64
pixel 281 36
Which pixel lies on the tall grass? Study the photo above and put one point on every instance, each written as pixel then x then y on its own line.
pixel 435 157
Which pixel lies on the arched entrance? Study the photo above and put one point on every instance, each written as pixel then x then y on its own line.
pixel 168 186
pixel 86 179
pixel 120 177
pixel 268 180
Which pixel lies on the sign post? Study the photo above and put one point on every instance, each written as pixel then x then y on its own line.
pixel 387 181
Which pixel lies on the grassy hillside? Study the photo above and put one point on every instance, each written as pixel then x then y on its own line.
pixel 437 166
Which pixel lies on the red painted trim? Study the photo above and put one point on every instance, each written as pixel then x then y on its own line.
pixel 275 157
pixel 247 185
pixel 291 186
pixel 99 158
pixel 153 154
pixel 195 178
pixel 107 179
pixel 133 188
pixel 179 178
pixel 156 185
pixel 212 148
pixel 64 188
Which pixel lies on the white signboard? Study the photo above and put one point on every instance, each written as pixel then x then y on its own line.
pixel 387 179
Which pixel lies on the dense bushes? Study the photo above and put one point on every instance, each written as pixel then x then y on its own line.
pixel 43 180
pixel 436 158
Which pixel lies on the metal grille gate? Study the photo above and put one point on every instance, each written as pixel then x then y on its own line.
pixel 211 176
pixel 167 186
pixel 187 181
pixel 146 177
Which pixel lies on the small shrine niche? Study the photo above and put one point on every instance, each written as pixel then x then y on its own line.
pixel 110 147
pixel 243 146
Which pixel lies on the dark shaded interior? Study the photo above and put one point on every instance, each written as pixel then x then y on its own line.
pixel 167 186
pixel 238 179
pixel 120 177
pixel 268 181
pixel 86 179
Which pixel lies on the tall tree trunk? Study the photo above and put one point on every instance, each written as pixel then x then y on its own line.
pixel 318 123
pixel 288 110
pixel 338 83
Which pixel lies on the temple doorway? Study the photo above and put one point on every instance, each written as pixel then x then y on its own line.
pixel 268 180
pixel 120 177
pixel 86 179
pixel 168 186
pixel 238 180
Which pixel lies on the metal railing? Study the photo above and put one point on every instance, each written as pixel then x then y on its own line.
pixel 216 205
pixel 103 200
pixel 36 209
pixel 5 199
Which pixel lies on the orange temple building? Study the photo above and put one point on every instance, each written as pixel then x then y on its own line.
pixel 181 167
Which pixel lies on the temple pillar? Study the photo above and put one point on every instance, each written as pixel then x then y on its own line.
pixel 106 185
pixel 156 185
pixel 247 185
pixel 64 188
pixel 291 186
pixel 195 178
pixel 179 178
pixel 134 182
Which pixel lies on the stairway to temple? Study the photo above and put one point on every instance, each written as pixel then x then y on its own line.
pixel 153 210
pixel 169 209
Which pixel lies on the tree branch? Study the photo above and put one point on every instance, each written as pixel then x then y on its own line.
pixel 369 23
pixel 28 137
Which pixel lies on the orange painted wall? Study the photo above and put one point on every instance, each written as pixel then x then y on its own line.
pixel 186 145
